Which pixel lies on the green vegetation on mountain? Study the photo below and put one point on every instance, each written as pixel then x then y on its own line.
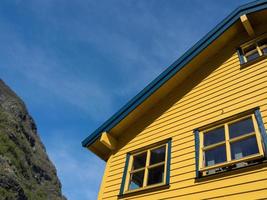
pixel 26 173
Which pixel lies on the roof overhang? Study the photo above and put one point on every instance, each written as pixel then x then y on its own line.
pixel 147 95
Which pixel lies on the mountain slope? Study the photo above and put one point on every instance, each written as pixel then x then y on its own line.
pixel 26 173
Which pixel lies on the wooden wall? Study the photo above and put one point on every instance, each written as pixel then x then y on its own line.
pixel 224 90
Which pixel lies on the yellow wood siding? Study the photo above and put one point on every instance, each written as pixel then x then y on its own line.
pixel 226 91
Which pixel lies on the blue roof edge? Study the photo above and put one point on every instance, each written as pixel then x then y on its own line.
pixel 174 68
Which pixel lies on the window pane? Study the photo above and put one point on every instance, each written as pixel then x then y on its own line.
pixel 250 48
pixel 251 53
pixel 215 155
pixel 244 148
pixel 214 136
pixel 139 161
pixel 157 155
pixel 155 175
pixel 242 127
pixel 136 180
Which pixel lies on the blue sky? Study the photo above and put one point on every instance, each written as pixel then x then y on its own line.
pixel 75 63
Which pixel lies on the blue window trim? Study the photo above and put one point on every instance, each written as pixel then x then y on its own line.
pixel 196 133
pixel 124 174
pixel 240 56
pixel 127 165
pixel 168 163
pixel 262 130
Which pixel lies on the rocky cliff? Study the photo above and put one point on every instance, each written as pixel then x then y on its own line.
pixel 26 173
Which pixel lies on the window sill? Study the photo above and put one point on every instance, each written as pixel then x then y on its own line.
pixel 144 190
pixel 226 164
pixel 257 165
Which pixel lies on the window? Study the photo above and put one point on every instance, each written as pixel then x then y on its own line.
pixel 253 50
pixel 251 53
pixel 147 168
pixel 233 143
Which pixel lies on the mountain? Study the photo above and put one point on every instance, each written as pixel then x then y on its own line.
pixel 26 173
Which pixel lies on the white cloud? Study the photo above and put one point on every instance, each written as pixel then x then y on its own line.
pixel 137 42
pixel 48 73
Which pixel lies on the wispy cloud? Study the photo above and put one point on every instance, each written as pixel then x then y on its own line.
pixel 48 73
pixel 116 35
pixel 77 62
pixel 75 169
pixel 35 62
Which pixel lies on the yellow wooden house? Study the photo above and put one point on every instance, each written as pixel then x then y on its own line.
pixel 198 131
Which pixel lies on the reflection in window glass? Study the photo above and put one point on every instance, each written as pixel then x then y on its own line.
pixel 157 155
pixel 139 161
pixel 215 155
pixel 136 180
pixel 241 146
pixel 251 53
pixel 214 136
pixel 244 148
pixel 155 175
pixel 242 127
pixel 147 168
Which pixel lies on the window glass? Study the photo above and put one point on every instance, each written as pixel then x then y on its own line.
pixel 136 180
pixel 251 53
pixel 215 155
pixel 244 148
pixel 157 155
pixel 139 161
pixel 155 175
pixel 256 49
pixel 214 136
pixel 242 127
pixel 148 168
pixel 233 145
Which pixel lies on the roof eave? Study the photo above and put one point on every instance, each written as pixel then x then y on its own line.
pixel 175 67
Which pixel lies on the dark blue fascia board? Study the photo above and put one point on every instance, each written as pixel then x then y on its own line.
pixel 174 68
